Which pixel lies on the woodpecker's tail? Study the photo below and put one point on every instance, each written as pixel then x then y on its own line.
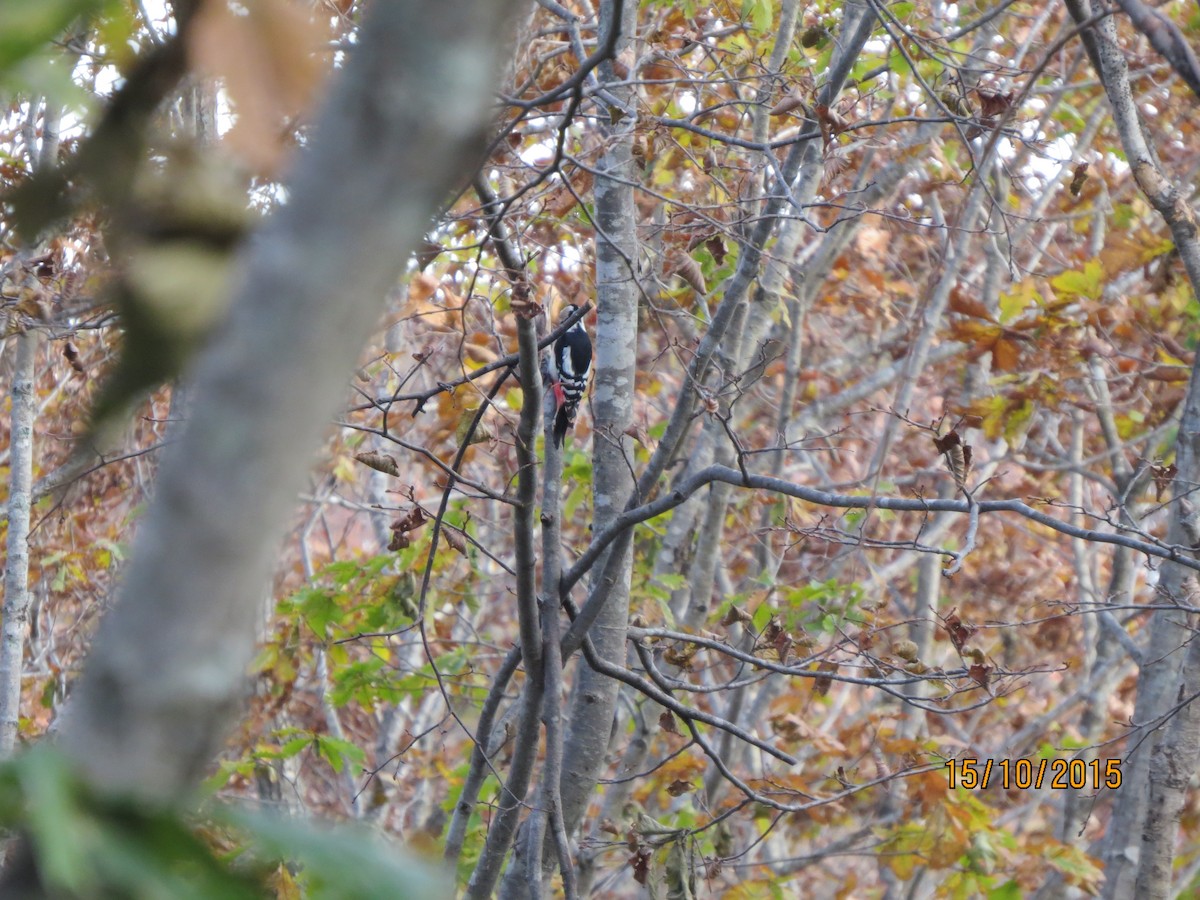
pixel 563 420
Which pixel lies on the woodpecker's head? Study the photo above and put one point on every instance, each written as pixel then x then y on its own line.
pixel 569 310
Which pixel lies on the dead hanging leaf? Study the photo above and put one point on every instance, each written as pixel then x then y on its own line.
pixel 462 432
pixel 666 721
pixel 734 615
pixel 679 787
pixel 831 120
pixel 427 253
pixel 1006 356
pixel 993 104
pixel 958 456
pixel 401 528
pixel 789 727
pixel 1077 180
pixel 637 433
pixel 980 674
pixel 964 304
pixel 716 246
pixel 1163 476
pixel 782 645
pixel 71 352
pixel 680 655
pixel 640 863
pixel 958 631
pixel 822 683
pixel 380 462
pixel 791 101
pixel 523 303
pixel 834 164
pixel 679 263
pixel 771 632
pixel 455 539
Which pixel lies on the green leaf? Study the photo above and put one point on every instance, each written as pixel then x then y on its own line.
pixel 759 13
pixel 295 746
pixel 671 580
pixel 1010 890
pixel 338 752
pixel 1086 283
pixel 27 26
pixel 54 821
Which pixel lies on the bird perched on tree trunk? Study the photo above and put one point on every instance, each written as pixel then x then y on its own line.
pixel 573 365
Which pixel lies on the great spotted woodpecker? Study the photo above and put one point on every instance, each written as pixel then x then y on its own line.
pixel 573 364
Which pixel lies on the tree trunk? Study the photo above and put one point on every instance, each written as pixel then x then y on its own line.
pixel 593 697
pixel 168 668
pixel 16 566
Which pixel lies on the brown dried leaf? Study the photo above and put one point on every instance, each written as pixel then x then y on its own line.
pixel 787 104
pixel 640 863
pixel 380 462
pixel 680 656
pixel 1005 356
pixel 666 721
pixel 958 631
pixel 678 787
pixel 688 269
pixel 993 104
pixel 411 521
pixel 71 352
pixel 716 246
pixel 1077 180
pixel 980 674
pixel 831 119
pixel 966 305
pixel 735 614
pixel 822 683
pixel 958 456
pixel 523 303
pixel 455 539
pixel 1163 476
pixel 427 253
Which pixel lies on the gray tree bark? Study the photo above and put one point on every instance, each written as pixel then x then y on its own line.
pixel 21 495
pixel 16 562
pixel 1155 777
pixel 594 696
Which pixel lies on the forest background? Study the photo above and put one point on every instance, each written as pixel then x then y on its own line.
pixel 868 570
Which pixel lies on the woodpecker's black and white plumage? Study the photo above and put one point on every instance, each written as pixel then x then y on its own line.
pixel 573 365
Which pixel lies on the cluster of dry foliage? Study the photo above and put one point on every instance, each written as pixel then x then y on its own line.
pixel 885 467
